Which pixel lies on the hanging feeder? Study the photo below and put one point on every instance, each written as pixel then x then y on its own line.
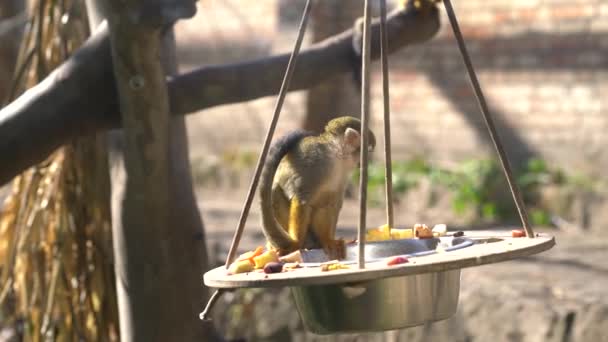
pixel 369 294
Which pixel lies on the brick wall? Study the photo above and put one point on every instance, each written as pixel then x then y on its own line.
pixel 542 64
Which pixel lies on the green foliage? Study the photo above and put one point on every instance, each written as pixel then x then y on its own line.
pixel 472 184
pixel 477 186
pixel 406 175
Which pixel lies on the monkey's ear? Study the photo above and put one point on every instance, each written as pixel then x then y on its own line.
pixel 352 137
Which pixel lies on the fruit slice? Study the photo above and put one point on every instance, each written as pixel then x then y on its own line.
pixel 261 260
pixel 516 233
pixel 241 266
pixel 398 234
pixel 396 261
pixel 250 255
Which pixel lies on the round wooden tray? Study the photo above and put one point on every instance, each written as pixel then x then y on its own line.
pixel 490 247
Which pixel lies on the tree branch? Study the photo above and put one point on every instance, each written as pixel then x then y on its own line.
pixel 79 97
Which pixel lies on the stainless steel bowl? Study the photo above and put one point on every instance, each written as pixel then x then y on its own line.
pixel 386 303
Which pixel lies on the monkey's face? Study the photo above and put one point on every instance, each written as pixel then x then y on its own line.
pixel 352 145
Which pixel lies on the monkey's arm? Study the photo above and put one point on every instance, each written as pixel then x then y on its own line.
pixel 324 224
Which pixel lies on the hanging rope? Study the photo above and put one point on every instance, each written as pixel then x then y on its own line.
pixel 236 239
pixel 365 92
pixel 273 124
pixel 506 166
pixel 388 172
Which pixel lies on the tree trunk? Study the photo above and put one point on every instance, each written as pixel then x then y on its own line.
pixel 159 238
pixel 339 95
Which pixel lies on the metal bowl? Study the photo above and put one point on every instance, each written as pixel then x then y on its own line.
pixel 386 303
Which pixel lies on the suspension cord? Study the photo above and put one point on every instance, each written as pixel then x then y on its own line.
pixel 502 155
pixel 388 172
pixel 273 124
pixel 258 169
pixel 365 92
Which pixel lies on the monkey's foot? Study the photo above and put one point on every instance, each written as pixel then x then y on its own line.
pixel 281 251
pixel 335 249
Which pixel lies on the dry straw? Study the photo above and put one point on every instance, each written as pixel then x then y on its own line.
pixel 57 278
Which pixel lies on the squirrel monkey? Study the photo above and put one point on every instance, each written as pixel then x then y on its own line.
pixel 303 183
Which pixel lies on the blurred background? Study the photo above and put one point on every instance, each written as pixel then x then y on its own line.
pixel 544 70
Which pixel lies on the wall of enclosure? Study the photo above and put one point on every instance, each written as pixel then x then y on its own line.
pixel 543 66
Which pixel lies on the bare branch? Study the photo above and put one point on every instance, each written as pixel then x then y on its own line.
pixel 79 98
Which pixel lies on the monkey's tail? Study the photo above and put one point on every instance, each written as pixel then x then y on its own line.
pixel 272 229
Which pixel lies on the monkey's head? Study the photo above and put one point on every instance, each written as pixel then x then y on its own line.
pixel 347 130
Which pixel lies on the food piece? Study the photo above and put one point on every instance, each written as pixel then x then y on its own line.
pixel 261 260
pixel 273 267
pixel 398 234
pixel 422 231
pixel 385 231
pixel 291 266
pixel 516 233
pixel 241 266
pixel 332 266
pixel 250 255
pixel 292 257
pixel 441 229
pixel 378 234
pixel 373 235
pixel 458 234
pixel 396 260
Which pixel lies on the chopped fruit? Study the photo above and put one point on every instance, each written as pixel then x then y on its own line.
pixel 261 260
pixel 250 255
pixel 378 234
pixel 292 257
pixel 241 266
pixel 398 234
pixel 422 231
pixel 518 233
pixel 440 229
pixel 385 230
pixel 273 267
pixel 384 233
pixel 291 265
pixel 332 266
pixel 396 261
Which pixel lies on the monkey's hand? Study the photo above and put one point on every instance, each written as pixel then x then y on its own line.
pixel 335 249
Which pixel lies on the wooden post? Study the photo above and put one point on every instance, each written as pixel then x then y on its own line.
pixel 140 218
